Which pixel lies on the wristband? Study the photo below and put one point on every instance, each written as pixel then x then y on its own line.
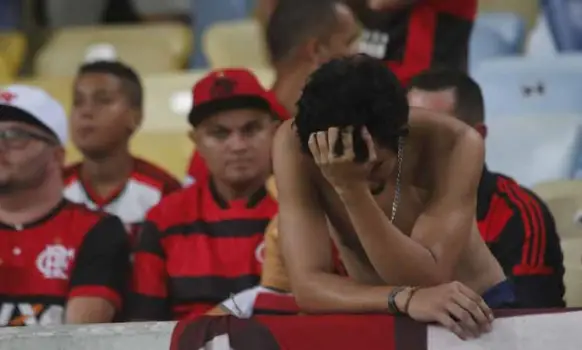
pixel 392 307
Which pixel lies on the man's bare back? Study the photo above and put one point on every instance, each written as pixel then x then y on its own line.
pixel 477 268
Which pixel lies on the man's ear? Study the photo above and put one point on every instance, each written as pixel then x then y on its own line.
pixel 60 156
pixel 136 118
pixel 192 135
pixel 481 129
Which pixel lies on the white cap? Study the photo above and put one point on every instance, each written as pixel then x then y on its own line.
pixel 100 52
pixel 38 104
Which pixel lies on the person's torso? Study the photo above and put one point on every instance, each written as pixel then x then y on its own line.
pixel 477 267
pixel 36 263
pixel 417 37
pixel 144 188
pixel 213 248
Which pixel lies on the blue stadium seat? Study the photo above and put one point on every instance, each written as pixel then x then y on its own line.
pixel 510 26
pixel 486 44
pixel 533 148
pixel 206 13
pixel 518 85
pixel 565 21
pixel 10 14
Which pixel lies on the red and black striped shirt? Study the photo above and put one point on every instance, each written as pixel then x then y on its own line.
pixel 521 233
pixel 196 249
pixel 417 37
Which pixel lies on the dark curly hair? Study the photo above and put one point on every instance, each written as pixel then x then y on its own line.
pixel 354 91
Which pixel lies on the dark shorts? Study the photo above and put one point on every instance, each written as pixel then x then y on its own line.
pixel 501 296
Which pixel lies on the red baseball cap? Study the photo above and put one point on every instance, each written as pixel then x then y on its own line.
pixel 227 89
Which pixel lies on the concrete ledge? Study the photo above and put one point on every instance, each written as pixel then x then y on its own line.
pixel 119 336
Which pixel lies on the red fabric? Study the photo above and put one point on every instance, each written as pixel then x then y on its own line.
pixel 335 332
pixel 40 264
pixel 202 246
pixel 421 37
pixel 239 82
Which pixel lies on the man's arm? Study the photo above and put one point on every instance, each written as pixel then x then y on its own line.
pixel 430 255
pixel 99 278
pixel 528 249
pixel 149 281
pixel 305 240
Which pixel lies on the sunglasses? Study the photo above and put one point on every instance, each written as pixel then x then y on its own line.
pixel 18 138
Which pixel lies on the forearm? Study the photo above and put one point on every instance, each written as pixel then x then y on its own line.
pixel 82 310
pixel 395 256
pixel 328 293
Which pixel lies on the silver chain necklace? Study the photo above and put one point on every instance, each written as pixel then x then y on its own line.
pixel 399 157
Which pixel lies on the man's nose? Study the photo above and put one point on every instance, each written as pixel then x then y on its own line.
pixel 238 142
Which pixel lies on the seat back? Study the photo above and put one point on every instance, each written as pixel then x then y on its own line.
pixel 152 48
pixel 13 47
pixel 526 9
pixel 486 44
pixel 564 18
pixel 236 44
pixel 518 86
pixel 509 25
pixel 533 148
pixel 210 12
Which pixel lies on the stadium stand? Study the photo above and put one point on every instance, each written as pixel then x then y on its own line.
pixel 509 25
pixel 235 44
pixel 518 86
pixel 565 21
pixel 528 10
pixel 149 48
pixel 13 49
pixel 564 200
pixel 485 44
pixel 532 148
pixel 209 12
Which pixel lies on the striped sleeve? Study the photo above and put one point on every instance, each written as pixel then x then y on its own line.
pixel 149 281
pixel 529 250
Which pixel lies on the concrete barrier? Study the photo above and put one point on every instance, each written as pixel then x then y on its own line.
pixel 119 336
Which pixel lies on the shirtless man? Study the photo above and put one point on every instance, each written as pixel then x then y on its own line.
pixel 396 190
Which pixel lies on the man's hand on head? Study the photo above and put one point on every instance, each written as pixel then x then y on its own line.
pixel 341 170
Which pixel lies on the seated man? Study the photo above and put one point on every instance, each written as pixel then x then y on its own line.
pixel 516 225
pixel 59 261
pixel 107 111
pixel 205 242
pixel 396 189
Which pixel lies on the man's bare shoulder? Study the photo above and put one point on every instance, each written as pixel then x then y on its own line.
pixel 421 119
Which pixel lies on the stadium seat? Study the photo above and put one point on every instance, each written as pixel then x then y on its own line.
pixel 209 12
pixel 235 44
pixel 533 148
pixel 170 150
pixel 5 72
pixel 168 98
pixel 518 86
pixel 486 44
pixel 565 202
pixel 59 88
pixel 526 9
pixel 565 22
pixel 509 25
pixel 13 47
pixel 152 48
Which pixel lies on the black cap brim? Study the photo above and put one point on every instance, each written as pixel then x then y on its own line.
pixel 205 110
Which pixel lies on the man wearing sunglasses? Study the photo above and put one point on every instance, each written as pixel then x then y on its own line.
pixel 59 262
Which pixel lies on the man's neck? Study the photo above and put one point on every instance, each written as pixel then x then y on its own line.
pixel 110 171
pixel 25 206
pixel 289 84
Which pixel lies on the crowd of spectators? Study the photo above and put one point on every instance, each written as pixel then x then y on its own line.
pixel 117 238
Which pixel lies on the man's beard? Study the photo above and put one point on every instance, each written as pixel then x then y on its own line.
pixel 16 184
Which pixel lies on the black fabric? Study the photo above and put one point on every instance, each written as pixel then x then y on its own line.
pixel 11 113
pixel 204 110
